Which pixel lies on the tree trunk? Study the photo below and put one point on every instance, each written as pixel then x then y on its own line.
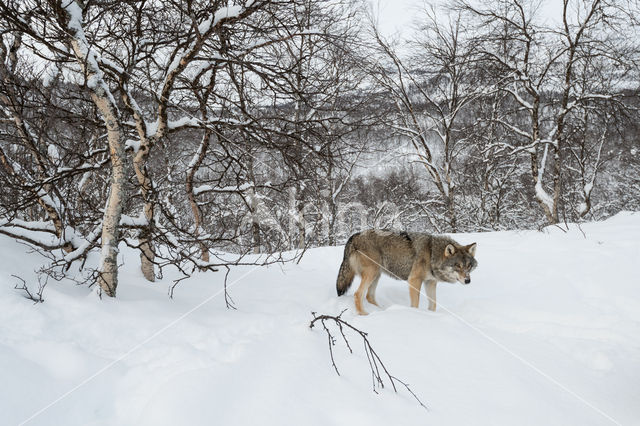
pixel 451 211
pixel 255 231
pixel 195 209
pixel 108 278
pixel 256 241
pixel 69 17
pixel 302 238
pixel 145 237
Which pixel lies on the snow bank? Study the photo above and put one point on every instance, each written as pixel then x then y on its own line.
pixel 548 333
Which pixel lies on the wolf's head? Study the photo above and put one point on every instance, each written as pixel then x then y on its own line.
pixel 458 263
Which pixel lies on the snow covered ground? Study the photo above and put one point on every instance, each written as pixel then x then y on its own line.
pixel 548 333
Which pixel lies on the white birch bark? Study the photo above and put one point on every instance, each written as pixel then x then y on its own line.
pixel 104 101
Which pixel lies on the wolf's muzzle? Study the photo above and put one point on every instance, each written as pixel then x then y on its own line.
pixel 467 280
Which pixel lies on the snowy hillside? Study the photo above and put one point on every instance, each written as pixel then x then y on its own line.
pixel 548 333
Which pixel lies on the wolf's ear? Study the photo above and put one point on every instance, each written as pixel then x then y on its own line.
pixel 472 249
pixel 449 250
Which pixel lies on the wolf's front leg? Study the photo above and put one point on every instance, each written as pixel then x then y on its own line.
pixel 431 294
pixel 414 291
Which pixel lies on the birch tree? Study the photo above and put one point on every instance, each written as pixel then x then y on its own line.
pixel 151 71
pixel 430 91
pixel 13 107
pixel 540 67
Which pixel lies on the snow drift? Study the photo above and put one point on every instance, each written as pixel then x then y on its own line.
pixel 547 333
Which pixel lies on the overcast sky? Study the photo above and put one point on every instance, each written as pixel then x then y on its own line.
pixel 396 16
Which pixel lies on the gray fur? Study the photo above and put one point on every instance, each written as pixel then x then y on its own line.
pixel 405 256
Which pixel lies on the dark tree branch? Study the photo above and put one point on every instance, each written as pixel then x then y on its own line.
pixel 378 370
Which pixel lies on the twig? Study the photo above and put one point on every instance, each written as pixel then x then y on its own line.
pixel 37 297
pixel 227 297
pixel 375 363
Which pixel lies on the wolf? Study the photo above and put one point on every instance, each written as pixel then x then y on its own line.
pixel 413 257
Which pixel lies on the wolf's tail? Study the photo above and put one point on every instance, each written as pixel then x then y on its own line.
pixel 346 272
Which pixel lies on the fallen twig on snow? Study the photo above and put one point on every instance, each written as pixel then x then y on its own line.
pixel 378 369
pixel 37 297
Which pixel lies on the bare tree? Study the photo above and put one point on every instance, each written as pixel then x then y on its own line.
pixel 430 91
pixel 541 69
pixel 157 74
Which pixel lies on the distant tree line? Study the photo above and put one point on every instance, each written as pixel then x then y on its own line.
pixel 200 132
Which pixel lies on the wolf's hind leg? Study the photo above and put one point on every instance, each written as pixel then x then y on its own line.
pixel 368 276
pixel 371 293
